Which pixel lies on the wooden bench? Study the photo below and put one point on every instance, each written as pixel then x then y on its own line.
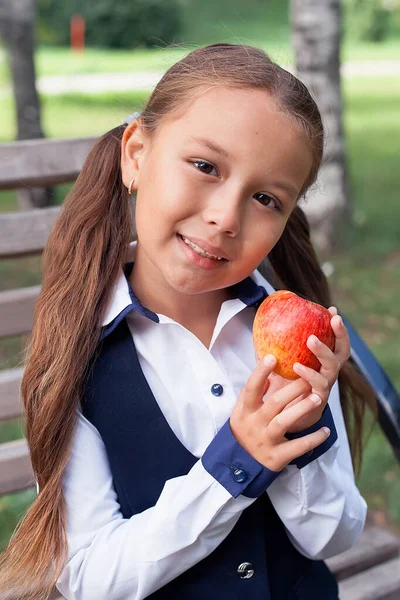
pixel 368 571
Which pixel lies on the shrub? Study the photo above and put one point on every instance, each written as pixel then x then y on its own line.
pixel 112 23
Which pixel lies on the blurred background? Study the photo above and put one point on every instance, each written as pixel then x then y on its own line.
pixel 75 69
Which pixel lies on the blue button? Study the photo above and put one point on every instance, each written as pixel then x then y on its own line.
pixel 238 474
pixel 217 389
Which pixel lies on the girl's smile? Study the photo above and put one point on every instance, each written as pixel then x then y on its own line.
pixel 198 256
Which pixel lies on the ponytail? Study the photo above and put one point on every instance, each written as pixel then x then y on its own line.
pixel 295 266
pixel 80 263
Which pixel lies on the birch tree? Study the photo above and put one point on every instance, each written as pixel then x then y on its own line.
pixel 316 36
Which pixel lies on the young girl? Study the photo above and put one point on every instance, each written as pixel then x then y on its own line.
pixel 171 462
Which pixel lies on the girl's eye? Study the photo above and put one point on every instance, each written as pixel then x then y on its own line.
pixel 204 164
pixel 267 199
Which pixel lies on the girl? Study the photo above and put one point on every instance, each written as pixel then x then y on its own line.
pixel 170 461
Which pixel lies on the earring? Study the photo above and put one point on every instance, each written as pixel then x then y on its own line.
pixel 130 187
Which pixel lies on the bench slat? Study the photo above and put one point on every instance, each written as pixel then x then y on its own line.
pixel 379 583
pixel 10 399
pixel 23 233
pixel 16 310
pixel 15 467
pixel 375 546
pixel 42 163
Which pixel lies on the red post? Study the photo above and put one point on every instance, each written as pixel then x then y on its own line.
pixel 77 32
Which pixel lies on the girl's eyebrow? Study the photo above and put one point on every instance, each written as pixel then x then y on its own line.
pixel 210 145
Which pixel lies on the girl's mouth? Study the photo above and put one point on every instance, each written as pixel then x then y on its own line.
pixel 200 250
pixel 198 256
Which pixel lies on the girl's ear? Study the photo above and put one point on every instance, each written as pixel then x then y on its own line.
pixel 132 151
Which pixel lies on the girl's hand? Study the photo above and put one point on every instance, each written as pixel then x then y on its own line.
pixel 321 381
pixel 260 426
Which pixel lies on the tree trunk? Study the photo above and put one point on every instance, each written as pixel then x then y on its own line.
pixel 17 18
pixel 316 34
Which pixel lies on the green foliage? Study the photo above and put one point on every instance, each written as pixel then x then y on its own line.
pixel 371 20
pixel 112 23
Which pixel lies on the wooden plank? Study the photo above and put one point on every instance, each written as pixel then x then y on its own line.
pixel 375 546
pixel 16 310
pixel 10 399
pixel 379 583
pixel 15 467
pixel 41 163
pixel 23 233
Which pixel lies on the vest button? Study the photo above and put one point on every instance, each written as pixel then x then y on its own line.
pixel 238 474
pixel 245 570
pixel 217 389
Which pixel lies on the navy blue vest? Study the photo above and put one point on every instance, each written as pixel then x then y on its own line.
pixel 144 452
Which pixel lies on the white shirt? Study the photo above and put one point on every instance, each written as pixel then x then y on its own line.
pixel 110 557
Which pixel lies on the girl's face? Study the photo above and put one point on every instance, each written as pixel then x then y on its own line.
pixel 225 176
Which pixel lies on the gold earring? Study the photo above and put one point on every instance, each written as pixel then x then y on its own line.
pixel 130 187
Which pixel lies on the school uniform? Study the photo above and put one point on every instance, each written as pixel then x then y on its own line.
pixel 162 502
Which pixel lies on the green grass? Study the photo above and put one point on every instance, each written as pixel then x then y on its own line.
pixel 366 279
pixel 75 114
pixel 357 50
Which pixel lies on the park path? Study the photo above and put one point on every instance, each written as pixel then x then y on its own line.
pixel 95 83
pixel 103 82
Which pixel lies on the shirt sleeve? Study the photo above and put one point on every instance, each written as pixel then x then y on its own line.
pixel 137 556
pixel 319 502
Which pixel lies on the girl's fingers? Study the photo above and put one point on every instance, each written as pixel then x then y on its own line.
pixel 318 382
pixel 331 362
pixel 342 341
pixel 282 397
pixel 283 421
pixel 289 450
pixel 253 391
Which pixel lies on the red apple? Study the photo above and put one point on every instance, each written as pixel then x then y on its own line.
pixel 281 327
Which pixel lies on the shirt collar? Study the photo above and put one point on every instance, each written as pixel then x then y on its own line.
pixel 251 291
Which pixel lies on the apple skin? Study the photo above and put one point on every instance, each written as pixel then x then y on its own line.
pixel 282 326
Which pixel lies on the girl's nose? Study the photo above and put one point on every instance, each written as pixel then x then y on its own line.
pixel 225 213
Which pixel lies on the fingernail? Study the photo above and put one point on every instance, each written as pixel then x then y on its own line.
pixel 269 359
pixel 315 340
pixel 340 322
pixel 316 399
pixel 326 430
pixel 298 367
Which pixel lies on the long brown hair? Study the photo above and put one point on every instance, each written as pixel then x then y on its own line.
pixel 80 264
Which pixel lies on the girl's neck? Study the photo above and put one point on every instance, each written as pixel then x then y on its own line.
pixel 197 312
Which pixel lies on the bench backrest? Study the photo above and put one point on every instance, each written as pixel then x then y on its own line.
pixel 33 163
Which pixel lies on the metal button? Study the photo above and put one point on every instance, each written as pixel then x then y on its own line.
pixel 217 389
pixel 238 474
pixel 245 570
